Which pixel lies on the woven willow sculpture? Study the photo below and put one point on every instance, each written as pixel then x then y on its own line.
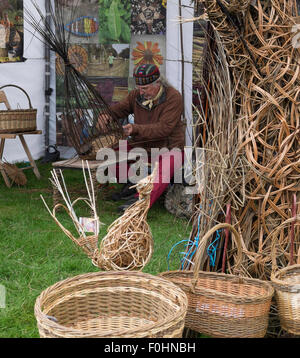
pixel 258 40
pixel 82 102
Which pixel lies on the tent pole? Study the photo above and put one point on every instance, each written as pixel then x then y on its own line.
pixel 48 90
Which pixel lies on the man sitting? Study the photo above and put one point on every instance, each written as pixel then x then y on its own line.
pixel 157 108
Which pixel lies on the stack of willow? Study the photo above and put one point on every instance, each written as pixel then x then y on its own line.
pixel 261 112
pixel 83 104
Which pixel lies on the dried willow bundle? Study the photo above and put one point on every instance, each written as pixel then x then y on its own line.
pixel 221 172
pixel 88 243
pixel 128 244
pixel 82 102
pixel 264 69
pixel 13 172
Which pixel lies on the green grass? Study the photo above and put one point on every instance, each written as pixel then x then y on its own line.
pixel 35 253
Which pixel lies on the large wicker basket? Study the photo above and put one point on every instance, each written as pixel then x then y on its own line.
pixel 223 305
pixel 112 305
pixel 18 120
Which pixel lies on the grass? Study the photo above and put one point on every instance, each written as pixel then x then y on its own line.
pixel 35 253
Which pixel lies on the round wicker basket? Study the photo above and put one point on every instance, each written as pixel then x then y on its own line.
pixel 111 305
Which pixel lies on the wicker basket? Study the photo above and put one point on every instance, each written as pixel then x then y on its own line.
pixel 112 305
pixel 223 305
pixel 18 120
pixel 286 282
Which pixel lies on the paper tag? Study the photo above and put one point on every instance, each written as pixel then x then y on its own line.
pixel 88 224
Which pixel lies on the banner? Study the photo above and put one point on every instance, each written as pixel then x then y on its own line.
pixel 108 39
pixel 11 31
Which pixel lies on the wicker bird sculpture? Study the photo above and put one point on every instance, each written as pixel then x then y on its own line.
pixel 83 103
pixel 128 244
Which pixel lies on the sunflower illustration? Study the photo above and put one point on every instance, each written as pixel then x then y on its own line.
pixel 78 57
pixel 149 52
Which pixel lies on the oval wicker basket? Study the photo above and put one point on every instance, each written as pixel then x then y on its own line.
pixel 18 120
pixel 223 305
pixel 113 305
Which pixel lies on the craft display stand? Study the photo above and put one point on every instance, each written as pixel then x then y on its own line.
pixel 3 137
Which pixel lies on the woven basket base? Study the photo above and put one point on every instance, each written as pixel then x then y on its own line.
pixel 291 326
pixel 218 326
pixel 111 323
pixel 18 130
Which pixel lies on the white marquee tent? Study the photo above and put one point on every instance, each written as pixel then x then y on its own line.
pixel 32 76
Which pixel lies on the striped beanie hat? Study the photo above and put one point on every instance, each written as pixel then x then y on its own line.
pixel 146 74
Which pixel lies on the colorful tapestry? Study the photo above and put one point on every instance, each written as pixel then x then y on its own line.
pixel 11 31
pixel 114 20
pixel 97 60
pixel 81 21
pixel 108 39
pixel 148 17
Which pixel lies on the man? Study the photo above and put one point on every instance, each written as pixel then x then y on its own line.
pixel 157 109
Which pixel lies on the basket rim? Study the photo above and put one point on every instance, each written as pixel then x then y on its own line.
pixel 280 282
pixel 43 320
pixel 18 110
pixel 234 298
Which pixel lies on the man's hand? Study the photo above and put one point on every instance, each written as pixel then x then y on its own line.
pixel 103 119
pixel 127 129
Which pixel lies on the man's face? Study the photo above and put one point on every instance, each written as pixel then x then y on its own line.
pixel 149 91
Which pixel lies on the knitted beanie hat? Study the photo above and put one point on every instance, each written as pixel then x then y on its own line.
pixel 146 74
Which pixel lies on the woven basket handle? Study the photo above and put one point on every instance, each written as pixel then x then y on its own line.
pixel 204 241
pixel 29 102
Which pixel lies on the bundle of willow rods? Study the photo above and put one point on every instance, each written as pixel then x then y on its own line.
pixel 220 172
pixel 264 68
pixel 82 102
pixel 13 172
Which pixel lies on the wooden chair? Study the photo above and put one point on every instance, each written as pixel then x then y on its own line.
pixel 4 100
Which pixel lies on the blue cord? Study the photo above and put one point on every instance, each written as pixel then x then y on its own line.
pixel 188 253
pixel 211 250
pixel 168 259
